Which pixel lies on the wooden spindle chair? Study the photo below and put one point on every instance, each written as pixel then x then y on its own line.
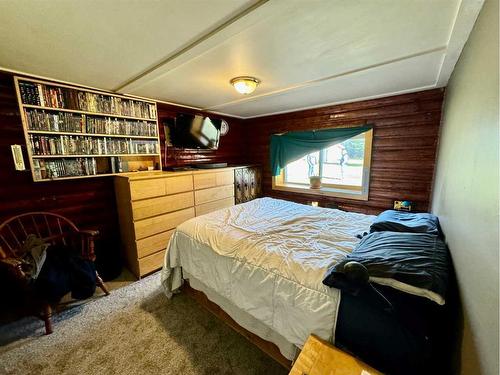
pixel 52 229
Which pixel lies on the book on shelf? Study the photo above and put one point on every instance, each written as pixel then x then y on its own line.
pixel 76 99
pixel 29 93
pixel 116 164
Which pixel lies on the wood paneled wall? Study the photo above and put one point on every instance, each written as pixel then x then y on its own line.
pixel 405 137
pixel 232 147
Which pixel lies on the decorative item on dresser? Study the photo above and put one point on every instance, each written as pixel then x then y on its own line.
pixel 151 206
pixel 247 183
pixel 76 132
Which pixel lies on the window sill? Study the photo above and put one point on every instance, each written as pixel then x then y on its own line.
pixel 323 191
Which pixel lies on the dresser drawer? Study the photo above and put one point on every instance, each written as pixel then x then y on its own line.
pixel 213 179
pixel 206 208
pixel 151 263
pixel 143 189
pixel 162 223
pixel 224 178
pixel 156 206
pixel 174 185
pixel 150 245
pixel 204 180
pixel 213 194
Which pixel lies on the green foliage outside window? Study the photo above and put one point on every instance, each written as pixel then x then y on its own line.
pixel 355 148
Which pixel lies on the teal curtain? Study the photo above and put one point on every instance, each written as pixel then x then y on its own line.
pixel 288 147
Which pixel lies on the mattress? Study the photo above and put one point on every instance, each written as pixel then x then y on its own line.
pixel 268 257
pixel 245 320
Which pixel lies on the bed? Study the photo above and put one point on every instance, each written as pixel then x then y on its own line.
pixel 263 263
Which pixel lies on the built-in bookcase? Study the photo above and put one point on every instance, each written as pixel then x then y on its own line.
pixel 74 132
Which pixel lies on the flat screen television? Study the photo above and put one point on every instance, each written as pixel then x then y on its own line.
pixel 195 131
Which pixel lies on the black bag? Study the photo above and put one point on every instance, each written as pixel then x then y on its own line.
pixel 65 271
pixel 83 278
pixel 53 282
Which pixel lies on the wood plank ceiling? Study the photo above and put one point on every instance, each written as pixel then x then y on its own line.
pixel 307 53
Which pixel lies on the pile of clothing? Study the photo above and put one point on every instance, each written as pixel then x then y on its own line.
pixel 56 270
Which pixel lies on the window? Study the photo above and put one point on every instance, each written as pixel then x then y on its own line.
pixel 344 169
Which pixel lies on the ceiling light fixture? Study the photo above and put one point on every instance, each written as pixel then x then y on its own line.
pixel 245 84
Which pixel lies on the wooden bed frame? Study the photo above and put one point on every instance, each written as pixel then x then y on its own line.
pixel 267 347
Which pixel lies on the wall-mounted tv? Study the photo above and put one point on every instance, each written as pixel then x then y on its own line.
pixel 194 131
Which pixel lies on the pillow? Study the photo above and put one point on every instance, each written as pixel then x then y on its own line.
pixel 415 263
pixel 397 221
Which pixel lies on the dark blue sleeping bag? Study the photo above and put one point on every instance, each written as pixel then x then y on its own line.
pixel 412 339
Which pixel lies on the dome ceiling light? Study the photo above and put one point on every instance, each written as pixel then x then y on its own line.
pixel 245 84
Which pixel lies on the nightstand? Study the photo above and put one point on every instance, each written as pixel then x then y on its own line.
pixel 319 357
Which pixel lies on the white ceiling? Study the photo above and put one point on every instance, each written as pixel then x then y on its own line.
pixel 307 53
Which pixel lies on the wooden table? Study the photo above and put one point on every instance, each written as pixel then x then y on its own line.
pixel 319 357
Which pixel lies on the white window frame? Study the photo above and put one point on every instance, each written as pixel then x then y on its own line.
pixel 334 190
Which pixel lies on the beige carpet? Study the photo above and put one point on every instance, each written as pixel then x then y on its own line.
pixel 135 330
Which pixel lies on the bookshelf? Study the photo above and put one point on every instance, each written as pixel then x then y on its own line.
pixel 74 132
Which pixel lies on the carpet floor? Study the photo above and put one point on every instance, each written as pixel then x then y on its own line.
pixel 135 330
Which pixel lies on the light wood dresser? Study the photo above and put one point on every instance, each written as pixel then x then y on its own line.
pixel 151 206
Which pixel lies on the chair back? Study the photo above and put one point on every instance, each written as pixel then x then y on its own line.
pixel 50 227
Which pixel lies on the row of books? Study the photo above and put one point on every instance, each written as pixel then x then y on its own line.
pixel 80 123
pixel 61 97
pixel 57 122
pixel 107 125
pixel 81 145
pixel 47 169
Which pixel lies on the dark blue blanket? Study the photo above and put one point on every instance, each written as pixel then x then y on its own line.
pixel 397 221
pixel 417 259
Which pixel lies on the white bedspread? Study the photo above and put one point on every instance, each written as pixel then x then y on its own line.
pixel 268 257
